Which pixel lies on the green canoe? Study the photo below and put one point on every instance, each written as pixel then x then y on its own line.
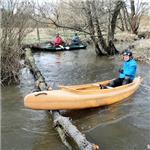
pixel 48 47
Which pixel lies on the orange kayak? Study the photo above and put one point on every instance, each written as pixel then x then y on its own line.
pixel 80 96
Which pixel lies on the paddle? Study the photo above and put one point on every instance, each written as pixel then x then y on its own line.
pixel 61 46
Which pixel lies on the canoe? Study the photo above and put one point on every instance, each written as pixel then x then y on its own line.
pixel 48 47
pixel 80 96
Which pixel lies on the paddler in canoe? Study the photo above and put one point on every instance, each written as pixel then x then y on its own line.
pixel 127 72
pixel 58 42
pixel 75 40
pixel 89 95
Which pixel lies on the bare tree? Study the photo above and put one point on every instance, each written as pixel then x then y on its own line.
pixel 90 22
pixel 85 16
pixel 96 18
pixel 132 14
pixel 115 14
pixel 105 47
pixel 16 24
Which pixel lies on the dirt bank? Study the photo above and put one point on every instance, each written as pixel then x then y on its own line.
pixel 139 47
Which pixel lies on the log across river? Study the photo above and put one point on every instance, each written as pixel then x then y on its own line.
pixel 62 124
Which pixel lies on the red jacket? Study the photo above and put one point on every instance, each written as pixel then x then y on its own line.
pixel 58 41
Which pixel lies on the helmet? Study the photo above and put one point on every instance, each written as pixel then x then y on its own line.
pixel 127 52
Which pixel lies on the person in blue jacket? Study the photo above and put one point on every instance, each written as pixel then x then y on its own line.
pixel 75 40
pixel 127 72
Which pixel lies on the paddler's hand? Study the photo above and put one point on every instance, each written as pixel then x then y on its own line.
pixel 120 70
pixel 49 88
pixel 96 84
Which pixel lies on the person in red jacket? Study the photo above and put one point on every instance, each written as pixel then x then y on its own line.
pixel 58 41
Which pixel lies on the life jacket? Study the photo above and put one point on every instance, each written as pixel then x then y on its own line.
pixel 58 41
pixel 129 69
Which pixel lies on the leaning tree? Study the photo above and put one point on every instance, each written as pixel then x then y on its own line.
pixel 95 18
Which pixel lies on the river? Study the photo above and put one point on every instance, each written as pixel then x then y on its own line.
pixel 122 126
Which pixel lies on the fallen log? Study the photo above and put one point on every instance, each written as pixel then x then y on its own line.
pixel 62 124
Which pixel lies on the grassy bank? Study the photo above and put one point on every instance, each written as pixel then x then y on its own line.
pixel 140 47
pixel 49 34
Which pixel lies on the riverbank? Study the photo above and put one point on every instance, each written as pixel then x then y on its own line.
pixel 142 50
pixel 139 47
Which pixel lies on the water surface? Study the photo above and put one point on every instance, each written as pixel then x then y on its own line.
pixel 122 126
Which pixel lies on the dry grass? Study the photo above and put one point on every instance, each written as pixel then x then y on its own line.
pixel 125 36
pixel 49 34
pixel 144 24
pixel 142 50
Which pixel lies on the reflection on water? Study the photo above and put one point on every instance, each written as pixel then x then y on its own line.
pixel 122 126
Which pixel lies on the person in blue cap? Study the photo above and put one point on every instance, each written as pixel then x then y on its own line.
pixel 127 72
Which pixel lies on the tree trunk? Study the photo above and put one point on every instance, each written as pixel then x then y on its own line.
pixel 111 47
pixel 122 22
pixel 134 18
pixel 91 27
pixel 62 124
pixel 126 18
pixel 119 4
pixel 38 32
pixel 132 8
pixel 98 30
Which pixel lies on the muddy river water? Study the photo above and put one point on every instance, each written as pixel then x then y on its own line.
pixel 122 126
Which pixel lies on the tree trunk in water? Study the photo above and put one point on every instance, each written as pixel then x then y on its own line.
pixel 111 47
pixel 62 124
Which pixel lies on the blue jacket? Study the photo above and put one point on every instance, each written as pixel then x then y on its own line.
pixel 75 40
pixel 129 69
